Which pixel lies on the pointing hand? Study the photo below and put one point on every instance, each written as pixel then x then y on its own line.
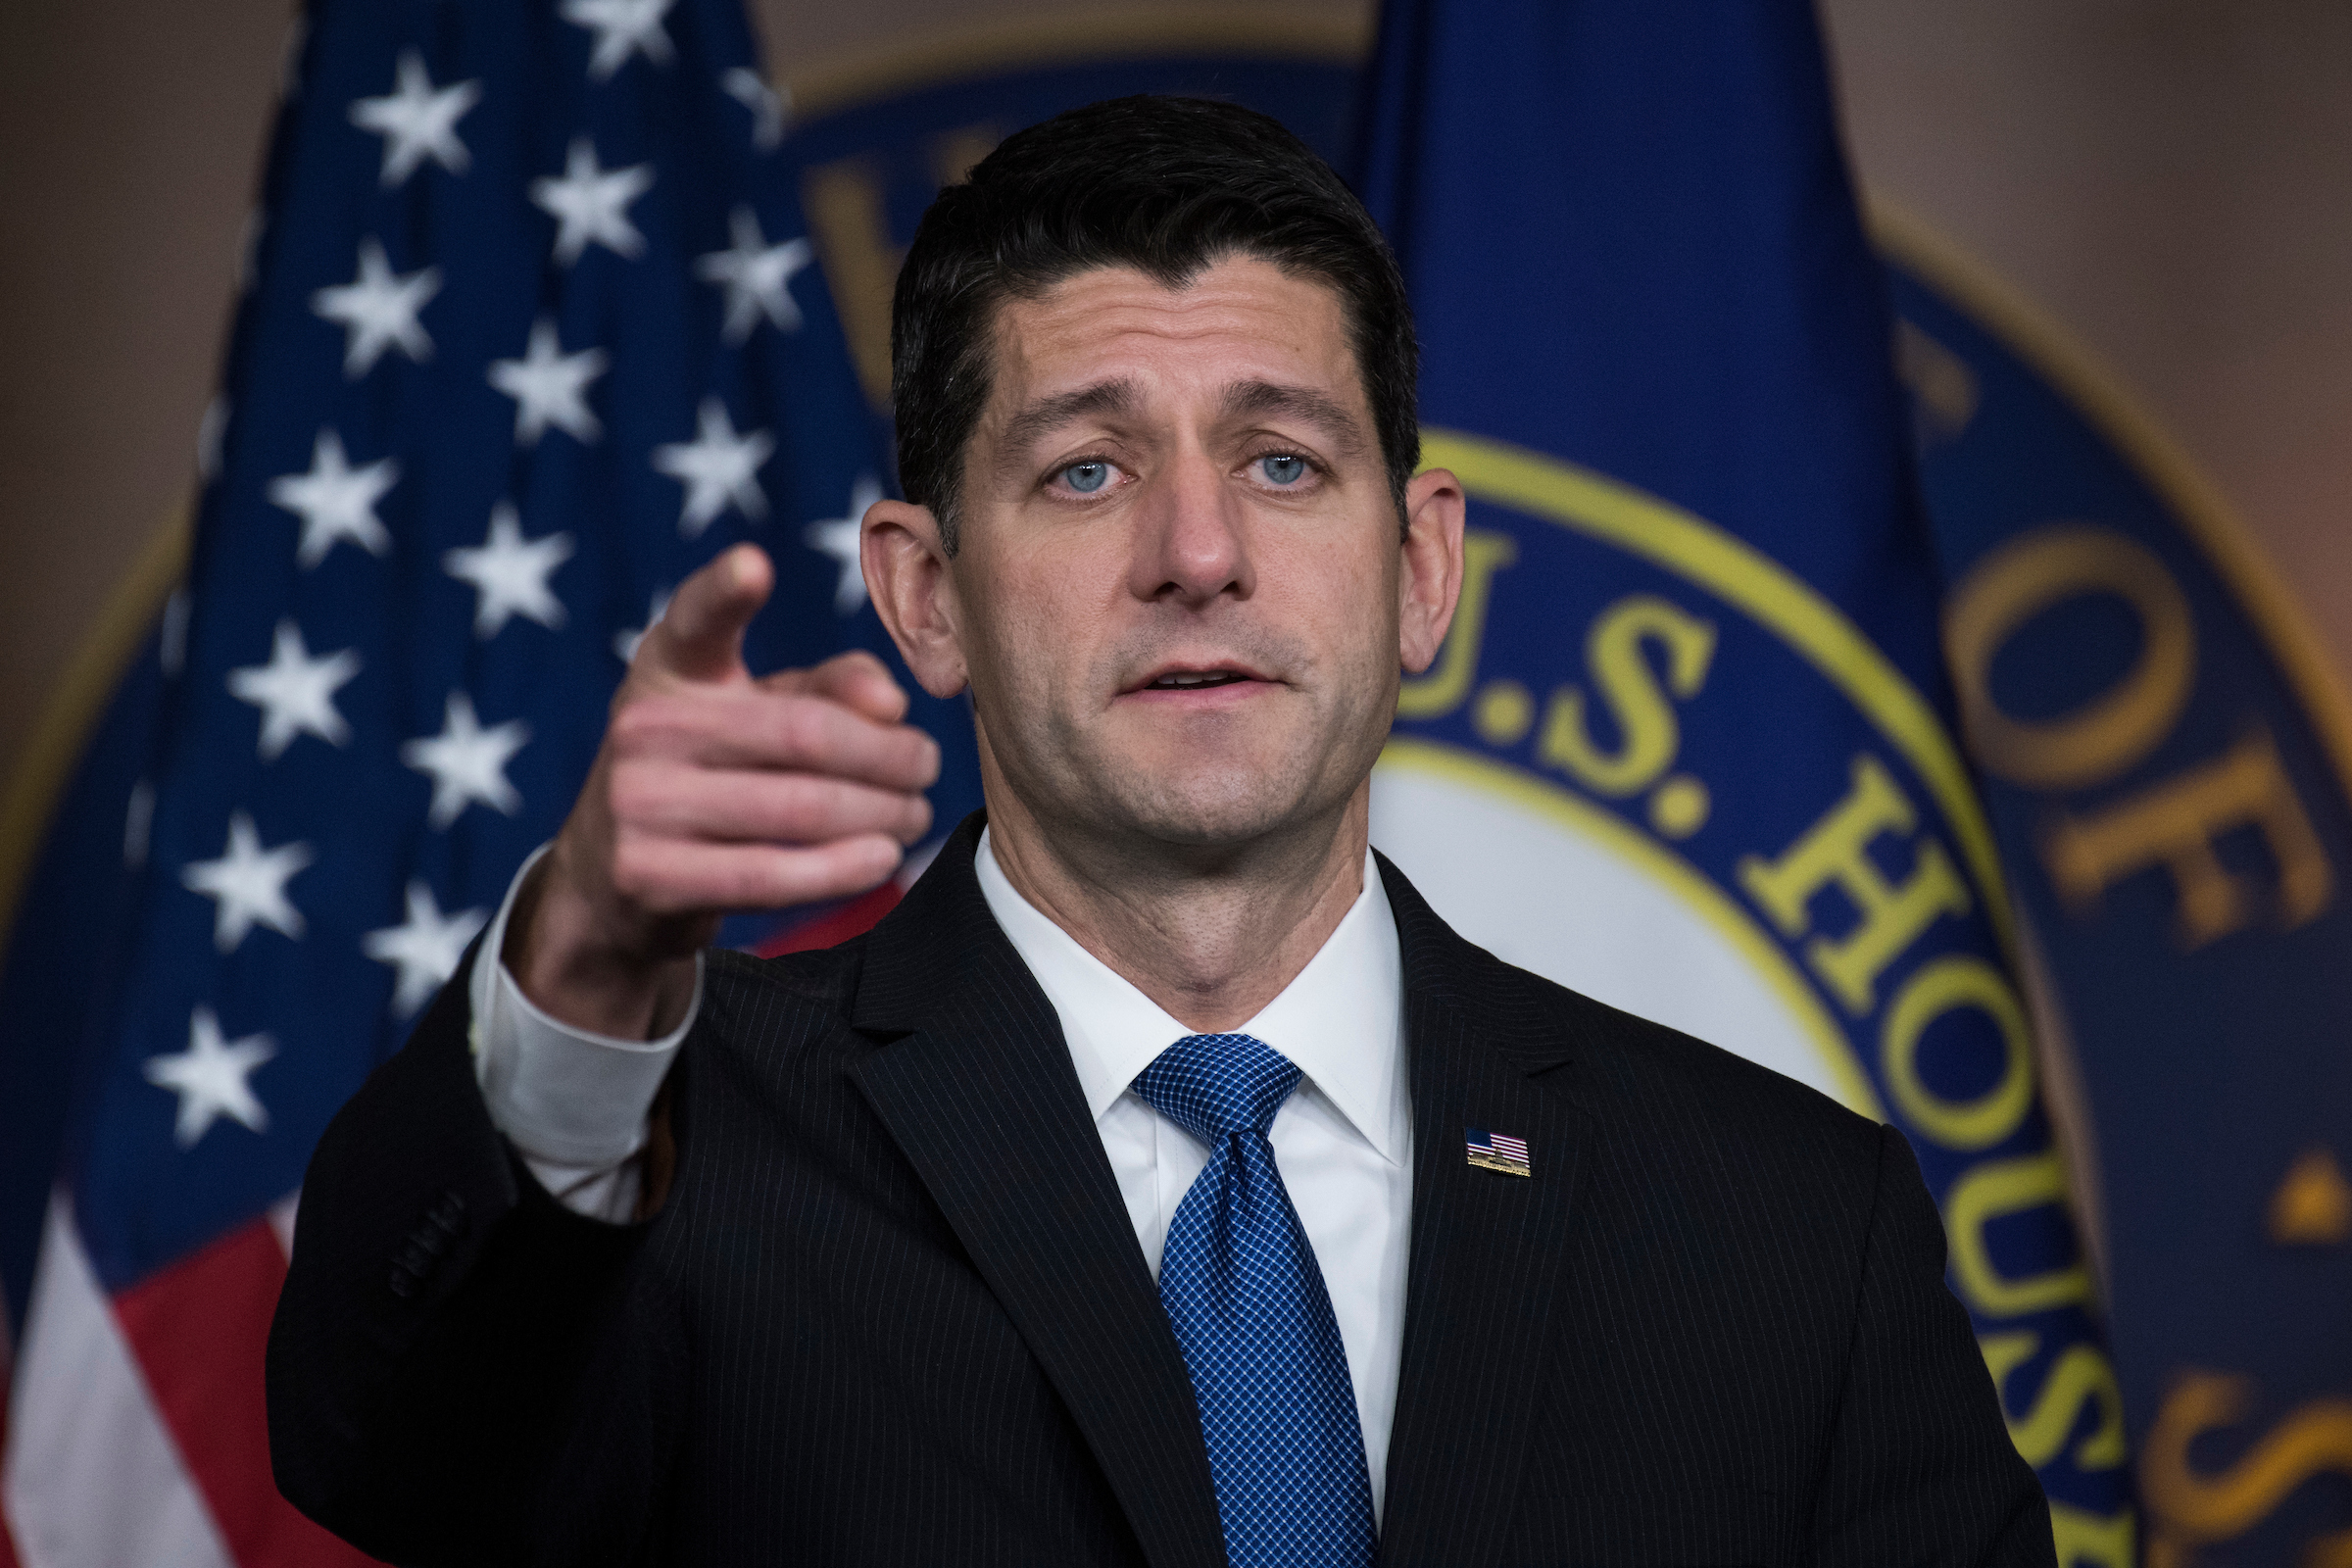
pixel 714 791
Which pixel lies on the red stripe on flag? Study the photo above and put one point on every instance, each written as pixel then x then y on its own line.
pixel 852 919
pixel 199 1329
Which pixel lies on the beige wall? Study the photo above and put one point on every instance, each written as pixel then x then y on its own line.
pixel 130 134
pixel 2172 181
pixel 2168 179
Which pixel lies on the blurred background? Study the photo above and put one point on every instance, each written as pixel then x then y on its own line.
pixel 2166 178
pixel 2120 234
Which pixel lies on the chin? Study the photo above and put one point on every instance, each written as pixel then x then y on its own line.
pixel 1205 803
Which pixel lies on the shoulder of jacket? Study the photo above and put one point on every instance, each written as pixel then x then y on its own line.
pixel 1628 1068
pixel 825 977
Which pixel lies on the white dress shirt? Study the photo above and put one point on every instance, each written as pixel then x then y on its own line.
pixel 574 1104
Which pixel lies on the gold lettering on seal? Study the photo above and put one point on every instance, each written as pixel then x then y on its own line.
pixel 1837 850
pixel 2194 1507
pixel 1649 732
pixel 1947 985
pixel 2037 571
pixel 2079 1377
pixel 2174 827
pixel 2312 1206
pixel 1986 1193
pixel 2082 1536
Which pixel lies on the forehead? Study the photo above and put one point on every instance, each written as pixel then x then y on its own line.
pixel 1240 320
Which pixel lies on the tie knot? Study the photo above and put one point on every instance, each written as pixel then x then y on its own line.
pixel 1214 1086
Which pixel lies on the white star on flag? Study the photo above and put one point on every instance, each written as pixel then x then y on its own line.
pixel 551 387
pixel 425 949
pixel 416 122
pixel 209 1079
pixel 623 27
pixel 718 468
pixel 248 885
pixel 838 537
pixel 466 762
pixel 756 277
pixel 591 204
pixel 768 105
pixel 626 640
pixel 377 311
pixel 295 691
pixel 336 500
pixel 509 573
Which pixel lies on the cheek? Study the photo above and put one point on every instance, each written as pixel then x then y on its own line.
pixel 1040 625
pixel 1068 582
pixel 1348 598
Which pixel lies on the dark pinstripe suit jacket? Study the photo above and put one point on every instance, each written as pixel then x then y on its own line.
pixel 892 1312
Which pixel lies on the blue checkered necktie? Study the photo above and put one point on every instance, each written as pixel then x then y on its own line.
pixel 1254 1322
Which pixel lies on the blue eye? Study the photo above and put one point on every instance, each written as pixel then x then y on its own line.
pixel 1283 469
pixel 1087 477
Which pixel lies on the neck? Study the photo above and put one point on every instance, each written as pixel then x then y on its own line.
pixel 1211 937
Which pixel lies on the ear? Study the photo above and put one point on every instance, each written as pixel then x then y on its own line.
pixel 1431 580
pixel 906 573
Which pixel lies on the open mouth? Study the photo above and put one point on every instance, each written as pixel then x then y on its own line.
pixel 1193 680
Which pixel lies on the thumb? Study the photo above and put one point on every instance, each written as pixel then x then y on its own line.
pixel 700 637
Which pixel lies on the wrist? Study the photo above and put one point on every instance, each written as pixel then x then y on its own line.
pixel 594 968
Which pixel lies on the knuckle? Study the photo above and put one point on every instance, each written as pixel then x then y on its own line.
pixel 636 793
pixel 806 807
pixel 799 728
pixel 743 879
pixel 635 724
pixel 796 793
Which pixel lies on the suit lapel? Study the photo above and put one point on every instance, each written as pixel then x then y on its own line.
pixel 1487 1250
pixel 980 1095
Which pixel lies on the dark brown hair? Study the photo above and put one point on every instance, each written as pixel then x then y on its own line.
pixel 1167 187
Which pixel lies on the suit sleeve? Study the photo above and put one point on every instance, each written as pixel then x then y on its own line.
pixel 459 1371
pixel 1921 1469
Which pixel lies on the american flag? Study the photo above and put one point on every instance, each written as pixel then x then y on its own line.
pixel 1498 1151
pixel 529 330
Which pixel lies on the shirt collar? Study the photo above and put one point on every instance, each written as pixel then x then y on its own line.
pixel 1341 1019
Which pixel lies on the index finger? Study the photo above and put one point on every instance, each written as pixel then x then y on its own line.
pixel 855 678
pixel 700 637
pixel 755 728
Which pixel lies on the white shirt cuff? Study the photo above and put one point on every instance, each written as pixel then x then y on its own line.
pixel 574 1104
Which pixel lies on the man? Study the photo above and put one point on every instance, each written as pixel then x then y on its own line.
pixel 1162 1182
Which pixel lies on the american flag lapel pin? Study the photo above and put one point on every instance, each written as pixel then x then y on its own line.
pixel 1498 1151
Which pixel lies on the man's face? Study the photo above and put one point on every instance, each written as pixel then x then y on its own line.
pixel 1179 597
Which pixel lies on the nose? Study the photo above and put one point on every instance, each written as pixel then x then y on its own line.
pixel 1191 544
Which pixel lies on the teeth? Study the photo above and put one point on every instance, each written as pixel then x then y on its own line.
pixel 1216 678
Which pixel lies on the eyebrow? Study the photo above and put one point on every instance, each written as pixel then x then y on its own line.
pixel 1248 399
pixel 1047 415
